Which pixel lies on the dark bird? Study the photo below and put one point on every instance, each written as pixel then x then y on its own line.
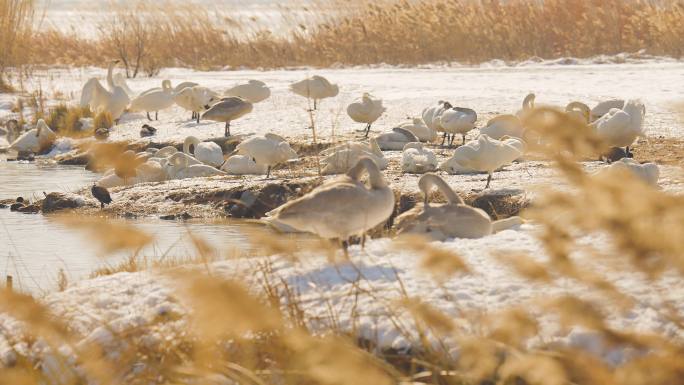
pixel 102 195
pixel 102 133
pixel 615 154
pixel 147 130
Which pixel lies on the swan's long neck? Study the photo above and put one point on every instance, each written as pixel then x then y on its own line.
pixel 374 176
pixel 374 147
pixel 428 181
pixel 528 103
pixel 166 86
pixel 110 78
pixel 408 134
pixel 190 141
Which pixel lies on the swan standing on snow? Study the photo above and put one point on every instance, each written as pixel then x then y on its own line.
pixel 395 140
pixel 36 140
pixel 647 172
pixel 366 110
pixel 457 120
pixel 227 110
pixel 417 160
pixel 253 91
pixel 195 99
pixel 340 159
pixel 316 88
pixel 604 107
pixel 120 81
pixel 620 128
pixel 340 208
pixel 420 130
pixel 503 125
pixel 206 152
pixel 454 219
pixel 267 150
pixel 156 100
pixel 99 99
pixel 483 155
pixel 182 166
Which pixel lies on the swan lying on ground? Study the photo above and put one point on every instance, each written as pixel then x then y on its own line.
pixel 483 155
pixel 454 219
pixel 417 160
pixel 36 140
pixel 340 208
pixel 243 165
pixel 367 110
pixel 227 110
pixel 149 171
pixel 316 88
pixel 604 107
pixel 99 99
pixel 395 140
pixel 620 128
pixel 647 172
pixel 182 166
pixel 341 158
pixel 503 125
pixel 156 100
pixel 195 99
pixel 206 152
pixel 420 130
pixel 457 120
pixel 253 91
pixel 267 150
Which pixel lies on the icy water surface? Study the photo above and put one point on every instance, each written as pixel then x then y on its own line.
pixel 33 248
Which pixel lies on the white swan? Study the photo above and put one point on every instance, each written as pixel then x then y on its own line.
pixel 579 112
pixel 183 85
pixel 649 173
pixel 154 100
pixel 454 219
pixel 227 110
pixel 99 99
pixel 149 171
pixel 253 91
pixel 527 106
pixel 604 107
pixel 182 166
pixel 395 140
pixel 316 88
pixel 483 155
pixel 195 99
pixel 340 208
pixel 457 120
pixel 36 140
pixel 503 125
pixel 243 165
pixel 428 115
pixel 417 160
pixel 421 130
pixel 367 110
pixel 165 152
pixel 206 152
pixel 620 128
pixel 340 159
pixel 120 81
pixel 267 150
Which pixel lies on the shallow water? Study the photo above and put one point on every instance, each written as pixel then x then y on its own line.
pixel 33 248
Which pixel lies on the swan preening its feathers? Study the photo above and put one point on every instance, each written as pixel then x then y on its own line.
pixel 646 172
pixel 341 158
pixel 417 159
pixel 340 208
pixel 453 219
pixel 421 130
pixel 366 110
pixel 266 151
pixel 227 110
pixel 253 91
pixel 36 140
pixel 621 127
pixel 208 153
pixel 195 99
pixel 395 140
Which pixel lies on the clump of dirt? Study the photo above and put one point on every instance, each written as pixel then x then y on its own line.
pixel 660 150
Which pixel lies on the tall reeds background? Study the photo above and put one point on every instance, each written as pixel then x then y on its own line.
pixel 152 36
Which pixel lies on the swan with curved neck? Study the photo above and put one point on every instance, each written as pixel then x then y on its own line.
pixel 503 125
pixel 36 140
pixel 227 110
pixel 395 140
pixel 267 151
pixel 206 152
pixel 457 120
pixel 620 128
pixel 182 166
pixel 99 99
pixel 578 111
pixel 453 219
pixel 341 158
pixel 195 99
pixel 420 130
pixel 342 207
pixel 367 110
pixel 154 101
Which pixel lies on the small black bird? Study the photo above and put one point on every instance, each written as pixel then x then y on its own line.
pixel 147 130
pixel 102 195
pixel 615 154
